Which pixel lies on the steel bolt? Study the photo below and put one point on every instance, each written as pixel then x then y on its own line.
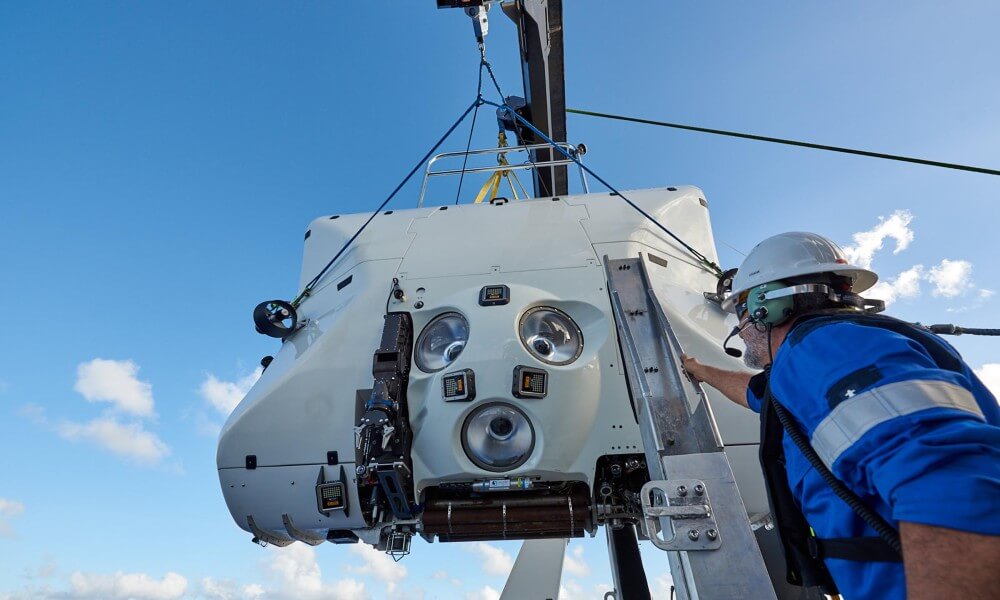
pixel 699 489
pixel 712 534
pixel 682 490
pixel 361 470
pixel 693 535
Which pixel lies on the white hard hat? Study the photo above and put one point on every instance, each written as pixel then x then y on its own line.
pixel 791 255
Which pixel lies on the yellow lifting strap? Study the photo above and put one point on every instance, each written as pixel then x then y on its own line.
pixel 492 185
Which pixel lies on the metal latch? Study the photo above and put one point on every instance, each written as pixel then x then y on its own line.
pixel 683 506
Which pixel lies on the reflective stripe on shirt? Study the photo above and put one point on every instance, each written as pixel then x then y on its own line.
pixel 854 417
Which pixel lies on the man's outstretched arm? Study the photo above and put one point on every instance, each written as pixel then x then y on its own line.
pixel 733 384
pixel 947 563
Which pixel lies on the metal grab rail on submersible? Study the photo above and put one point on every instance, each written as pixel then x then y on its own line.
pixel 570 149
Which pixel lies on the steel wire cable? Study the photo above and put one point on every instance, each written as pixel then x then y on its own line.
pixel 714 268
pixel 787 142
pixel 472 129
pixel 312 283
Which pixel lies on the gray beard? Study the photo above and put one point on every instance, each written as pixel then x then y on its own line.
pixel 753 361
pixel 755 356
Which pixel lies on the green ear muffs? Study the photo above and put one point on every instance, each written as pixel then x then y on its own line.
pixel 774 311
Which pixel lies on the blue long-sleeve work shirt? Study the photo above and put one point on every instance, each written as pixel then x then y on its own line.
pixel 916 442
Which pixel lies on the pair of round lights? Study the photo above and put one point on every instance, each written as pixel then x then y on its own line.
pixel 548 334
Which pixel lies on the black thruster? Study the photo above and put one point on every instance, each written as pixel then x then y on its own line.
pixel 275 318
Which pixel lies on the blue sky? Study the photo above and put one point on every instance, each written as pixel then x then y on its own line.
pixel 159 163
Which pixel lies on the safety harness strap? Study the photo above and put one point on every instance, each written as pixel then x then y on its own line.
pixel 868 549
pixel 804 552
pixel 802 568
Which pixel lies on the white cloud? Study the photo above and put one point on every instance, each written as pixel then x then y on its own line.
pixel 575 564
pixel 867 243
pixel 990 376
pixel 300 577
pixel 495 561
pixel 982 296
pixel 130 586
pixel 115 381
pixel 486 593
pixel 34 413
pixel 570 590
pixel 130 440
pixel 8 508
pixel 379 565
pixel 904 285
pixel 225 395
pixel 230 590
pixel 951 278
pixel 660 587
pixel 443 576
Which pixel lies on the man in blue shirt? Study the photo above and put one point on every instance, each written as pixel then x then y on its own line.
pixel 887 408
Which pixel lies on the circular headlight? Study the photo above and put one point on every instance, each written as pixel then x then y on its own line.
pixel 441 341
pixel 551 336
pixel 498 437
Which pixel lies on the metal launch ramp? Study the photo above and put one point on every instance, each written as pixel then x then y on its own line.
pixel 692 507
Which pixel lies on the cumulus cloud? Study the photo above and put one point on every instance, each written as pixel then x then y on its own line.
pixel 300 577
pixel 867 243
pixel 8 508
pixel 904 285
pixel 130 586
pixel 951 278
pixel 225 395
pixel 660 587
pixel 575 564
pixel 990 376
pixel 486 593
pixel 121 429
pixel 115 381
pixel 294 571
pixel 130 440
pixel 495 561
pixel 441 575
pixel 230 590
pixel 379 565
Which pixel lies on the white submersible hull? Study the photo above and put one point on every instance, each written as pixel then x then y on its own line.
pixel 484 395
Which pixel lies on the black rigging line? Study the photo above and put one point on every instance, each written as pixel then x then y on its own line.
pixel 315 280
pixel 712 267
pixel 468 145
pixel 774 140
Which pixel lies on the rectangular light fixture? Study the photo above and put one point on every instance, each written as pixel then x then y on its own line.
pixel 530 382
pixel 459 386
pixel 331 496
